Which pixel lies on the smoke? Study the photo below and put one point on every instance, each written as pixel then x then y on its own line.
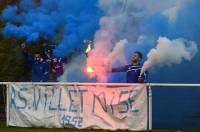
pixel 117 28
pixel 117 53
pixel 71 21
pixel 131 19
pixel 114 26
pixel 75 70
pixel 170 52
pixel 9 13
pixel 98 59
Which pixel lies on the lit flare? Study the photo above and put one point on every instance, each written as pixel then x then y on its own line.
pixel 88 49
pixel 90 69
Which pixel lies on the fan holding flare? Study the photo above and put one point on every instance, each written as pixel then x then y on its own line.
pixel 133 71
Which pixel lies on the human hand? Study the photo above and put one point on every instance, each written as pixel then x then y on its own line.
pixel 140 79
pixel 54 71
pixel 23 45
pixel 108 69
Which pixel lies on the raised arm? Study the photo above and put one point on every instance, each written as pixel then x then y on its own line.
pixel 117 69
pixel 46 73
pixel 27 57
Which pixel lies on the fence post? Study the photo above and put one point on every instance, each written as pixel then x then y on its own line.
pixel 149 90
pixel 7 103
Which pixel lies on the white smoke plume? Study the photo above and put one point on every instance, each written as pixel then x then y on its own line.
pixel 117 53
pixel 74 69
pixel 170 52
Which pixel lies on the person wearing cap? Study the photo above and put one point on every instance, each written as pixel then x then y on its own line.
pixel 132 70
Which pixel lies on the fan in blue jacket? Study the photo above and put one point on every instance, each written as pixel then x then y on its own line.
pixel 133 70
pixel 40 68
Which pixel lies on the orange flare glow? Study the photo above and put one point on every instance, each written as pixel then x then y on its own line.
pixel 90 69
pixel 88 49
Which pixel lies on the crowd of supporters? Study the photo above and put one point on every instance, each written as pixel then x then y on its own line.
pixel 45 66
pixel 48 68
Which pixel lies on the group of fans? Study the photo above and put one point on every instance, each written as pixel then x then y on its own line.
pixel 48 68
pixel 45 67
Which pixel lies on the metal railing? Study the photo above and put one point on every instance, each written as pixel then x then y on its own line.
pixel 106 84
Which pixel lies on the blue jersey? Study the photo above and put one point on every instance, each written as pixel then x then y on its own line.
pixel 132 73
pixel 40 69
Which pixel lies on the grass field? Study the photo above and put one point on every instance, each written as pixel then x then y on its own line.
pixel 3 128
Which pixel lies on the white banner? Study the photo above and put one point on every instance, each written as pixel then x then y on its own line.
pixel 101 107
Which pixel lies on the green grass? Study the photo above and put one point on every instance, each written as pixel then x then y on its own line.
pixel 4 128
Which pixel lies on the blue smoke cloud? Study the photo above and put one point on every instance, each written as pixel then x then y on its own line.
pixel 27 4
pixel 9 13
pixel 188 22
pixel 74 20
pixel 156 25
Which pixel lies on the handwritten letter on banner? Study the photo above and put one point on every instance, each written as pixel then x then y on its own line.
pixel 81 107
